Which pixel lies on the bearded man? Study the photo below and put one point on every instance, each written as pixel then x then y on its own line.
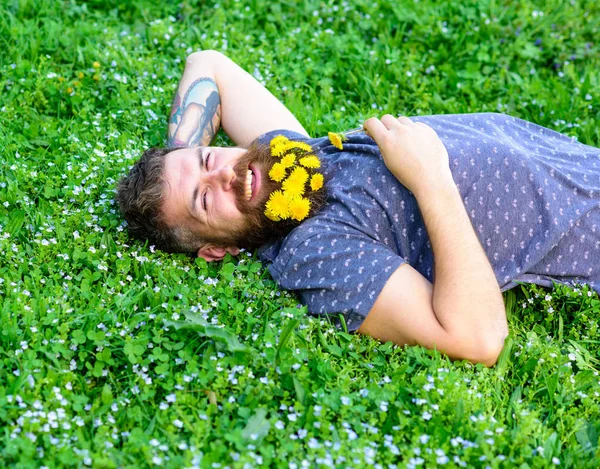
pixel 422 224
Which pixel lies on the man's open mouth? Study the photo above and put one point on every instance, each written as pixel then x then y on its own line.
pixel 252 182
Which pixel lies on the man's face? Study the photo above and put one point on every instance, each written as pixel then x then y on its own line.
pixel 215 192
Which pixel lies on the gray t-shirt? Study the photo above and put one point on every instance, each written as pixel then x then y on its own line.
pixel 532 195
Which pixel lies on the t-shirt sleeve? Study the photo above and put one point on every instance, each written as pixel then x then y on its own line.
pixel 291 134
pixel 336 271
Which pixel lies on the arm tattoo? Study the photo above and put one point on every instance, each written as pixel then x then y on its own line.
pixel 195 119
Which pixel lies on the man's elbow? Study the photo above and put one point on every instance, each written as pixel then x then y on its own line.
pixel 488 351
pixel 486 344
pixel 203 57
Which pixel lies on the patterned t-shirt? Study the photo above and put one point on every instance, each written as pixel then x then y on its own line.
pixel 532 195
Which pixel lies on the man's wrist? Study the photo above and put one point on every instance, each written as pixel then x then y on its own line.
pixel 443 185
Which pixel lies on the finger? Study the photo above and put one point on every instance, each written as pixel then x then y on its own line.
pixel 376 128
pixel 405 120
pixel 389 121
pixel 425 126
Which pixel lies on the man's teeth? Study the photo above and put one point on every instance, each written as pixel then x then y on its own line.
pixel 249 177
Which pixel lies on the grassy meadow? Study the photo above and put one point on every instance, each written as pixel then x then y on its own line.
pixel 115 355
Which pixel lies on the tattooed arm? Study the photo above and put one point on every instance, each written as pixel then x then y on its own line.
pixel 195 117
pixel 215 91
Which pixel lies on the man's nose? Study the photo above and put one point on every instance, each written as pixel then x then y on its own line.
pixel 223 177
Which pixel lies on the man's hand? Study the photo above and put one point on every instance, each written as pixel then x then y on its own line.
pixel 412 151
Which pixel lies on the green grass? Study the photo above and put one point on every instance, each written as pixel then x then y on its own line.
pixel 98 366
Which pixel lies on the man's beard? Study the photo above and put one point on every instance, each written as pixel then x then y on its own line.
pixel 258 229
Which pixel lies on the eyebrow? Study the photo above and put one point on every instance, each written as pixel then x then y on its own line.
pixel 195 193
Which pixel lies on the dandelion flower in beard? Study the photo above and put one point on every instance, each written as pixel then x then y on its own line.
pixel 288 160
pixel 279 140
pixel 277 172
pixel 310 161
pixel 316 181
pixel 299 207
pixel 277 207
pixel 278 149
pixel 303 147
pixel 294 184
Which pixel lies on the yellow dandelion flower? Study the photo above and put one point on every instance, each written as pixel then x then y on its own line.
pixel 277 172
pixel 277 207
pixel 271 216
pixel 310 161
pixel 288 160
pixel 96 65
pixel 298 145
pixel 278 149
pixel 293 187
pixel 294 184
pixel 299 208
pixel 278 145
pixel 278 140
pixel 79 75
pixel 299 174
pixel 69 90
pixel 336 139
pixel 316 181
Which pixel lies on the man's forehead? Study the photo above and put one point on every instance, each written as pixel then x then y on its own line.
pixel 173 188
pixel 174 162
pixel 185 152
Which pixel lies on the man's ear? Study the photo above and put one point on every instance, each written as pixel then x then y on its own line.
pixel 210 252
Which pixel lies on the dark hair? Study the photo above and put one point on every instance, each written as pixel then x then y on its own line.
pixel 140 197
